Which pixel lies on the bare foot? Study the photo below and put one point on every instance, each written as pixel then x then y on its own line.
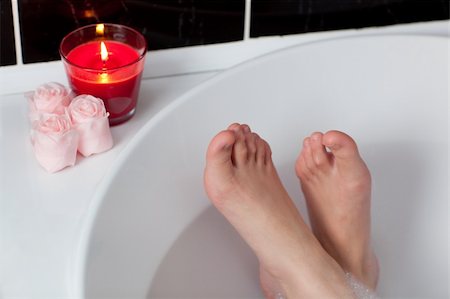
pixel 241 181
pixel 337 187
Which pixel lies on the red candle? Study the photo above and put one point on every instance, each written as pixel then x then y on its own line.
pixel 106 68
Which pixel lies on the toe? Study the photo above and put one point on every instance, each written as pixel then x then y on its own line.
pixel 245 128
pixel 240 149
pixel 346 158
pixel 318 151
pixel 263 152
pixel 219 166
pixel 220 148
pixel 260 150
pixel 308 155
pixel 267 153
pixel 250 142
pixel 302 171
pixel 234 126
pixel 341 145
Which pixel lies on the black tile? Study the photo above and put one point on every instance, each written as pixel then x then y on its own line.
pixel 168 24
pixel 279 17
pixel 165 23
pixel 7 45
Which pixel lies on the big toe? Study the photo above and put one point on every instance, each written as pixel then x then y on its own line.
pixel 220 149
pixel 341 145
pixel 219 165
pixel 346 156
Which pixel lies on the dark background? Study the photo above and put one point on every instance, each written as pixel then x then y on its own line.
pixel 7 46
pixel 179 23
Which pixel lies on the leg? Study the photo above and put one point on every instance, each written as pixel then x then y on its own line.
pixel 337 187
pixel 241 181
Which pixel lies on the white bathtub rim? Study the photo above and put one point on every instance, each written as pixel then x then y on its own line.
pixel 77 268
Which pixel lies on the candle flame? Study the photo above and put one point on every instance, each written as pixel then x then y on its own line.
pixel 100 29
pixel 103 52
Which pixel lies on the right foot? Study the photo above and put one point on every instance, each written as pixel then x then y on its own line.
pixel 241 181
pixel 337 187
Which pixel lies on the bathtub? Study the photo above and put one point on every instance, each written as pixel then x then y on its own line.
pixel 152 233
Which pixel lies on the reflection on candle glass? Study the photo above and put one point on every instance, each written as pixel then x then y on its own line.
pixel 99 29
pixel 104 78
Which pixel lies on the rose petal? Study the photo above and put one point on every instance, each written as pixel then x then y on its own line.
pixel 54 155
pixel 95 136
pixel 85 108
pixel 54 142
pixel 48 98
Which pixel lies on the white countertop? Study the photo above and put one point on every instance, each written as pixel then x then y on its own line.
pixel 41 214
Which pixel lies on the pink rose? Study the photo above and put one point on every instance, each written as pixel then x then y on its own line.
pixel 54 142
pixel 90 119
pixel 48 98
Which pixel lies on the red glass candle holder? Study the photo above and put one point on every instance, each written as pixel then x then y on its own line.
pixel 106 61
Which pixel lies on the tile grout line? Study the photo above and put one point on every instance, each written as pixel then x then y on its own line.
pixel 247 15
pixel 17 36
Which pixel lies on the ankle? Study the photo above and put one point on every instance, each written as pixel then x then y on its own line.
pixel 325 282
pixel 317 276
pixel 366 271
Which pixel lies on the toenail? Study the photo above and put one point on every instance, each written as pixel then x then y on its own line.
pixel 246 128
pixel 335 147
pixel 234 127
pixel 315 136
pixel 306 142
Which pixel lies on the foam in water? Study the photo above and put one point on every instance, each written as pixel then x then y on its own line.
pixel 359 289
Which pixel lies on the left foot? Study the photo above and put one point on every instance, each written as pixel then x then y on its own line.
pixel 241 181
